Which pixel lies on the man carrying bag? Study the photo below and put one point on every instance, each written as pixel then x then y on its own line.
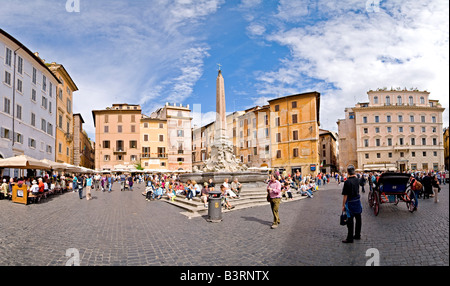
pixel 351 204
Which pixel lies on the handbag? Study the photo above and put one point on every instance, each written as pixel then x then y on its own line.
pixel 343 218
pixel 268 198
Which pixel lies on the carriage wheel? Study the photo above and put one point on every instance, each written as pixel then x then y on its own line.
pixel 376 203
pixel 371 198
pixel 411 200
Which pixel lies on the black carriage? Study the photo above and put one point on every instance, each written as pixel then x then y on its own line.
pixel 392 188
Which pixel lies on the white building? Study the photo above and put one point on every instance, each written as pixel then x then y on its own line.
pixel 27 103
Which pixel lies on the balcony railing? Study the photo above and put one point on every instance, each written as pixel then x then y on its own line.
pixel 120 150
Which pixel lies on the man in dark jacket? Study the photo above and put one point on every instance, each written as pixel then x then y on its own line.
pixel 351 204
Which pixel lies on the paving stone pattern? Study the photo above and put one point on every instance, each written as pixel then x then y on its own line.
pixel 122 228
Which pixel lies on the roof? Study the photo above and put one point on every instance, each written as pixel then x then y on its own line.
pixel 30 53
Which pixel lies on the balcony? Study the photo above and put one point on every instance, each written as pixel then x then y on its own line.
pixel 69 137
pixel 154 156
pixel 119 151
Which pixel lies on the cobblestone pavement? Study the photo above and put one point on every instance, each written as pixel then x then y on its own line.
pixel 122 228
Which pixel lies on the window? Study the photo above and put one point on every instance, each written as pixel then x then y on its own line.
pixel 5 133
pixel 412 129
pixel 295 152
pixel 389 129
pixel 413 154
pixel 19 112
pixel 278 139
pixel 50 129
pixel 119 118
pixel 399 100
pixel 161 125
pixel 389 141
pixel 119 128
pixel 388 100
pixel 33 119
pixel 400 129
pixel 390 154
pixel 434 141
pixel 133 144
pixel 133 128
pixel 34 75
pixel 400 141
pixel 411 118
pixel 366 130
pixel 424 154
pixel 422 119
pixel 33 95
pixel 424 129
pixel 295 135
pixel 106 144
pixel 7 78
pixel 180 133
pixel 366 142
pixel 161 138
pixel 375 100
pixel 145 152
pixel 69 106
pixel 44 83
pixel 388 118
pixel 44 102
pixel 278 154
pixel 106 129
pixel 294 104
pixel 31 143
pixel 106 158
pixel 411 100
pixel 7 105
pixel 400 118
pixel 422 100
pixel 378 155
pixel 365 119
pixel 266 132
pixel 44 125
pixel 294 118
pixel 8 57
pixel 277 121
pixel 424 141
pixel 433 119
pixel 146 137
pixel 277 108
pixel 366 155
pixel 377 118
pixel 377 142
pixel 19 85
pixel 377 129
pixel 120 145
pixel 413 141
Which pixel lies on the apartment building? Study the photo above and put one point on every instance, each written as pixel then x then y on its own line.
pixel 153 137
pixel 64 114
pixel 83 147
pixel 397 130
pixel 117 136
pixel 294 122
pixel 179 135
pixel 28 91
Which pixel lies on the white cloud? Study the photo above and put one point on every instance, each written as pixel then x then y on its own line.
pixel 352 52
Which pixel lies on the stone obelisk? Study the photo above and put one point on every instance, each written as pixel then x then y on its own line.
pixel 222 158
pixel 221 116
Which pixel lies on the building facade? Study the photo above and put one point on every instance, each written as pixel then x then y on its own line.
pixel 153 144
pixel 328 151
pixel 397 130
pixel 347 141
pixel 179 135
pixel 83 147
pixel 117 136
pixel 64 114
pixel 446 149
pixel 28 91
pixel 294 122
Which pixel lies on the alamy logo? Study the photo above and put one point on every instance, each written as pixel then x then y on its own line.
pixel 373 6
pixel 73 6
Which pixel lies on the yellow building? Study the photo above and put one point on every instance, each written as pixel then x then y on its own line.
pixel 294 123
pixel 153 137
pixel 64 114
pixel 446 149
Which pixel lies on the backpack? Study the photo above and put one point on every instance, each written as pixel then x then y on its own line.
pixel 417 186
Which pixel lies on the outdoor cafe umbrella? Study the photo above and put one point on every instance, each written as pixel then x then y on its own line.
pixel 55 165
pixel 23 162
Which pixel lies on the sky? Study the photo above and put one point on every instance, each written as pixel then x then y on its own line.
pixel 150 52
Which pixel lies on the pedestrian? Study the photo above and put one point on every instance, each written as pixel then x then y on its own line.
pixel 436 187
pixel 351 204
pixel 274 197
pixel 88 188
pixel 110 183
pixel 236 187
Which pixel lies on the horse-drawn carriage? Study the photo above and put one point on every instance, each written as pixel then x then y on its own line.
pixel 392 188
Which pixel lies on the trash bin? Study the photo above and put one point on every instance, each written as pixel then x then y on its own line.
pixel 215 206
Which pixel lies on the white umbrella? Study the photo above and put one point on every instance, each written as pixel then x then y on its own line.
pixel 23 162
pixel 55 165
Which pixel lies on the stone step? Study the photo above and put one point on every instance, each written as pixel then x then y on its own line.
pixel 248 199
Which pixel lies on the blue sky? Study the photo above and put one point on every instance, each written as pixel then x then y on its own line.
pixel 153 51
